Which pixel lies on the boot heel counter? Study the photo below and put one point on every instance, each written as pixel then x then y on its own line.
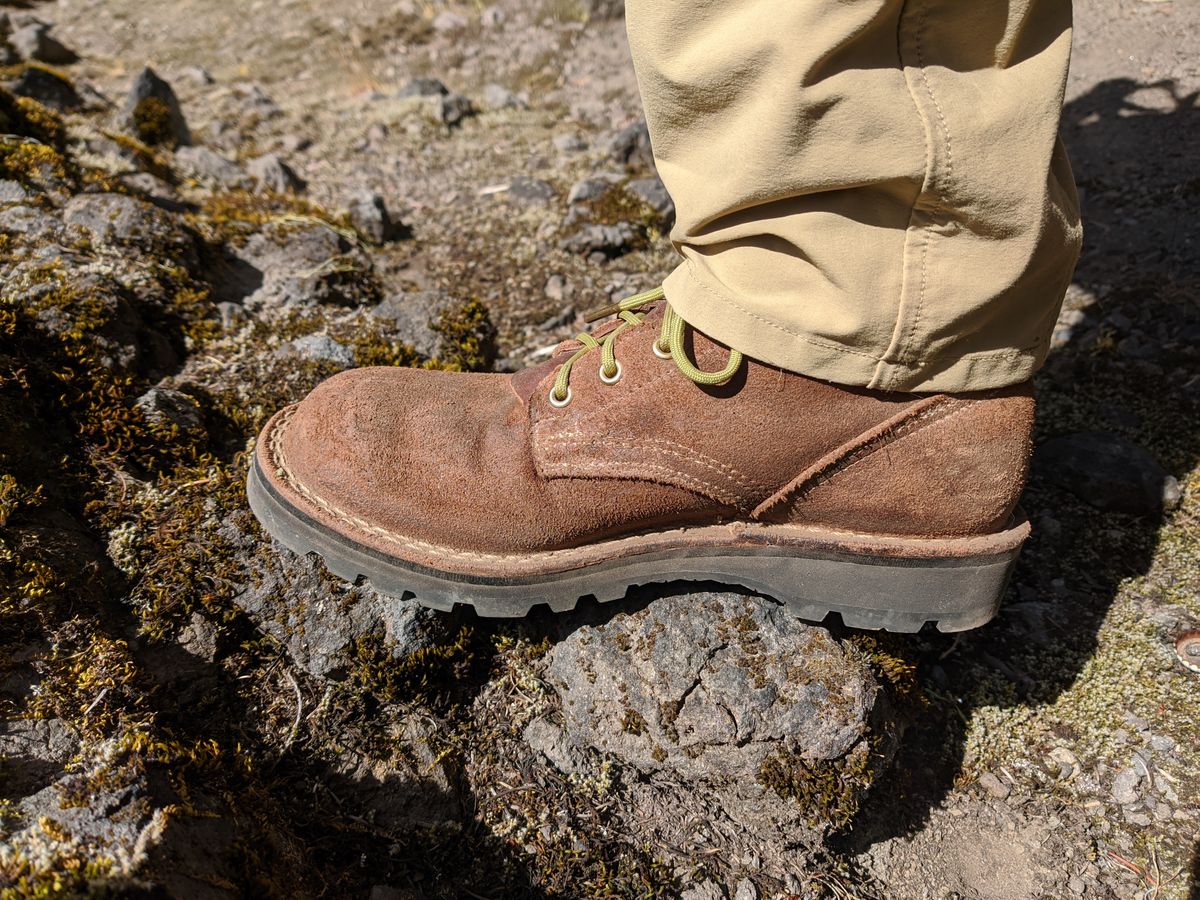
pixel 957 468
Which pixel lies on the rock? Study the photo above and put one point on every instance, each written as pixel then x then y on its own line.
pixel 1107 471
pixel 530 191
pixel 154 189
pixel 603 10
pixel 449 109
pixel 211 168
pixel 198 75
pixel 556 287
pixel 492 17
pixel 152 111
pixel 319 620
pixel 166 407
pixel 413 316
pixel 256 102
pixel 705 890
pixel 232 315
pixel 34 753
pixel 994 786
pixel 453 109
pixel 47 88
pixel 416 790
pixel 1124 789
pixel 302 265
pixel 199 638
pixel 554 744
pixel 496 96
pixel 370 218
pixel 119 220
pixel 570 143
pixel 448 20
pixel 118 817
pixel 653 193
pixel 273 174
pixel 1172 494
pixel 33 224
pixel 591 188
pixel 423 87
pixel 631 146
pixel 708 686
pixel 12 191
pixel 606 240
pixel 296 143
pixel 34 43
pixel 745 890
pixel 560 319
pixel 321 348
pixel 1162 744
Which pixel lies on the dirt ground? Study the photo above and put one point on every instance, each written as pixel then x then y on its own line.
pixel 1058 753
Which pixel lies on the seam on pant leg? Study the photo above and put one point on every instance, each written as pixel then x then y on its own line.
pixel 919 222
pixel 942 182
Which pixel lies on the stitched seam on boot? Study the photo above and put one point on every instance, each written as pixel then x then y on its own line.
pixel 626 470
pixel 856 449
pixel 920 424
pixel 278 460
pixel 633 468
pixel 662 446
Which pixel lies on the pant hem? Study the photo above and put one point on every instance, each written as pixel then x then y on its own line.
pixel 707 307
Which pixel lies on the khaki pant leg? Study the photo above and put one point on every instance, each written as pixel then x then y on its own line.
pixel 870 192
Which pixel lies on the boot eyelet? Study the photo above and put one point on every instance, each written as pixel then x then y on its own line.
pixel 559 404
pixel 615 377
pixel 661 354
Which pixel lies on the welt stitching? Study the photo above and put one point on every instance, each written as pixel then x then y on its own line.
pixel 275 454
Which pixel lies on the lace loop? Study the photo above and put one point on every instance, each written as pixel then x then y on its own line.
pixel 670 344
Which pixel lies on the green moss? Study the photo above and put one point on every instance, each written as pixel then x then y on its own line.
pixel 617 205
pixel 431 676
pixel 31 163
pixel 468 338
pixel 893 660
pixel 233 216
pixel 633 722
pixel 26 117
pixel 143 155
pixel 152 122
pixel 828 791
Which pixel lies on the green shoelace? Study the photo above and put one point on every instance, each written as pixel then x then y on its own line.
pixel 670 345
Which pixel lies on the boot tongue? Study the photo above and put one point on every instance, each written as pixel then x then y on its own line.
pixel 525 382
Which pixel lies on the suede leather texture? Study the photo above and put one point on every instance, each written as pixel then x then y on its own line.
pixel 484 463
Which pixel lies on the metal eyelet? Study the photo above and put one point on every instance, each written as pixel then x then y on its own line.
pixel 616 375
pixel 559 404
pixel 661 354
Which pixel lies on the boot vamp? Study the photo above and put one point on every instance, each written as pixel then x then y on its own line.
pixel 445 458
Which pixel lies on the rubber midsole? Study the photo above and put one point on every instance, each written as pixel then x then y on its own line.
pixel 806 572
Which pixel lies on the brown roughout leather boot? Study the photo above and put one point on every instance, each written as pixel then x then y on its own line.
pixel 613 464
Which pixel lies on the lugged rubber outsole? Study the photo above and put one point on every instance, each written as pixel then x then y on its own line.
pixel 901 594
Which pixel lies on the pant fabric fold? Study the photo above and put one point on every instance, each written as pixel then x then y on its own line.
pixel 872 192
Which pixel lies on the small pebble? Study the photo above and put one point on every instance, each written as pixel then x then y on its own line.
pixel 994 786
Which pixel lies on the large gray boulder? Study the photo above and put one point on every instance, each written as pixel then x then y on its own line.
pixel 709 686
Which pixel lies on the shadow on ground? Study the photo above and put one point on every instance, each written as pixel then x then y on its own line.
pixel 1124 369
